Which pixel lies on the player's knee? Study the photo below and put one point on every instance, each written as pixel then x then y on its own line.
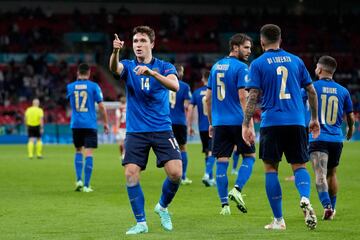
pixel 175 175
pixel 132 176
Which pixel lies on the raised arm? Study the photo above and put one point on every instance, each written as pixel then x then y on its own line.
pixel 114 64
pixel 314 126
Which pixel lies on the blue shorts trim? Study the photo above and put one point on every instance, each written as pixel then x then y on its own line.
pixel 138 146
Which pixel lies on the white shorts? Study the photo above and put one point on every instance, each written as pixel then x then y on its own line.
pixel 120 135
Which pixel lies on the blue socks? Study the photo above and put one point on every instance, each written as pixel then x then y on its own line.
pixel 88 170
pixel 169 190
pixel 325 199
pixel 210 165
pixel 244 172
pixel 184 163
pixel 273 192
pixel 302 182
pixel 235 159
pixel 78 165
pixel 137 201
pixel 333 201
pixel 222 181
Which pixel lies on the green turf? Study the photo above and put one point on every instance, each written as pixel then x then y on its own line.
pixel 37 200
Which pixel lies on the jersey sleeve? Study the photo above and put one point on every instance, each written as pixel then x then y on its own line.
pixel 124 72
pixel 98 94
pixel 254 76
pixel 187 92
pixel 242 76
pixel 210 80
pixel 41 114
pixel 348 106
pixel 169 69
pixel 68 93
pixel 193 99
pixel 304 74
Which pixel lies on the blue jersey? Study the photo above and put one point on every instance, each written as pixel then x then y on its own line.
pixel 226 77
pixel 147 107
pixel 199 99
pixel 280 76
pixel 177 99
pixel 83 94
pixel 333 101
pixel 306 107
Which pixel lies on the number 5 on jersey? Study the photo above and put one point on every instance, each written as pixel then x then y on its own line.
pixel 220 86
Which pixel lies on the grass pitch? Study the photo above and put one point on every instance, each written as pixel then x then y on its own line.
pixel 37 200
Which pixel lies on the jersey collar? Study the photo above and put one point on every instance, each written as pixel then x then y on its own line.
pixel 274 50
pixel 150 63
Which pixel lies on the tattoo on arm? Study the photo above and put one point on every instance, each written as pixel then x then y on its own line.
pixel 312 101
pixel 251 105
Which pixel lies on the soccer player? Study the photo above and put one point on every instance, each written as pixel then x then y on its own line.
pixel 83 94
pixel 199 100
pixel 226 99
pixel 120 115
pixel 179 102
pixel 279 75
pixel 148 81
pixel 325 151
pixel 34 120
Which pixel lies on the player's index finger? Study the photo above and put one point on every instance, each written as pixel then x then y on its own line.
pixel 116 36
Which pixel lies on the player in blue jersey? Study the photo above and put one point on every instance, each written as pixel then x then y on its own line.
pixel 148 123
pixel 83 94
pixel 179 102
pixel 325 151
pixel 280 75
pixel 226 98
pixel 199 100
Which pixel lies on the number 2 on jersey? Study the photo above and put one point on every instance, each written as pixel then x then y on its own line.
pixel 330 109
pixel 80 107
pixel 283 72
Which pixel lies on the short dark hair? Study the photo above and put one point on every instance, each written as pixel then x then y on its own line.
pixel 147 30
pixel 238 39
pixel 328 63
pixel 271 32
pixel 83 68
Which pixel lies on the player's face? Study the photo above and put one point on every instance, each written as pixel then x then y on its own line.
pixel 244 50
pixel 141 45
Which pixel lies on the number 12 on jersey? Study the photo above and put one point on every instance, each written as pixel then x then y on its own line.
pixel 81 107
